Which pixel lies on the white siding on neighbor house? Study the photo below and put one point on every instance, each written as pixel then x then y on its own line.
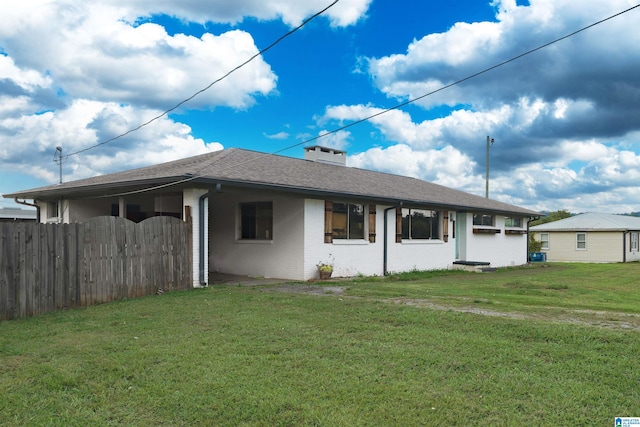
pixel 281 257
pixel 632 255
pixel 191 198
pixel 499 249
pixel 602 246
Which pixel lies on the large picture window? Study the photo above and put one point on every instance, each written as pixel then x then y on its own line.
pixel 348 221
pixel 420 224
pixel 484 220
pixel 256 221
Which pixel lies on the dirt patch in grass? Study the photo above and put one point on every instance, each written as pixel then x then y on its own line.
pixel 603 319
pixel 309 289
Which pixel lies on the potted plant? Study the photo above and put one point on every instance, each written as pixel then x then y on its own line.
pixel 325 269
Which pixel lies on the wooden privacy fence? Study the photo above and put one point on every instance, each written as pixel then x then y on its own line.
pixel 46 267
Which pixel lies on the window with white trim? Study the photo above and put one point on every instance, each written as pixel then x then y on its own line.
pixel 420 224
pixel 544 239
pixel 256 221
pixel 634 241
pixel 348 221
pixel 581 241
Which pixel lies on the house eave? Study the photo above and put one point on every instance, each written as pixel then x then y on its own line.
pixel 322 193
pixel 114 189
pixel 110 189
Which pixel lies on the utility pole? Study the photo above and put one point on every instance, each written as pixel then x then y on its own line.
pixel 489 141
pixel 57 157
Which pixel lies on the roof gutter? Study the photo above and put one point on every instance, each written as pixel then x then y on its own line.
pixel 24 202
pixel 385 254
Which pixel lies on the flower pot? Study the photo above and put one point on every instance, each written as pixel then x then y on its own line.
pixel 325 275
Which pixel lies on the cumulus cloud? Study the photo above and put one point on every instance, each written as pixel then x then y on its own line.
pixel 84 123
pixel 292 12
pixel 338 140
pixel 563 118
pixel 75 73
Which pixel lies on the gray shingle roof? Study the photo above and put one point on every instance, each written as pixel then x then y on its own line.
pixel 238 167
pixel 592 222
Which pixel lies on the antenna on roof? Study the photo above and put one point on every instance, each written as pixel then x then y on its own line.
pixel 57 158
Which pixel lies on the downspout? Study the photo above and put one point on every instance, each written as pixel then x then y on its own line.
pixel 386 239
pixel 201 211
pixel 24 202
pixel 624 246
pixel 529 235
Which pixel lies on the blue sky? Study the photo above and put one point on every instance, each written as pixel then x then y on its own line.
pixel 566 119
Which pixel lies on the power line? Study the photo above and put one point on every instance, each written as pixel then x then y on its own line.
pixel 486 70
pixel 396 107
pixel 184 101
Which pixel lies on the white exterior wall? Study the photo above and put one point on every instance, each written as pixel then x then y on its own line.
pixel 349 257
pixel 82 210
pixel 499 249
pixel 355 257
pixel 418 254
pixel 601 247
pixel 191 197
pixel 63 212
pixel 281 257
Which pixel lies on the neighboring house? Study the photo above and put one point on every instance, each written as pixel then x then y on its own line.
pixel 272 216
pixel 17 214
pixel 590 237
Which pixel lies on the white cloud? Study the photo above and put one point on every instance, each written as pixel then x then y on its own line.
pixel 292 12
pixel 279 135
pixel 338 140
pixel 92 53
pixel 563 117
pixel 85 123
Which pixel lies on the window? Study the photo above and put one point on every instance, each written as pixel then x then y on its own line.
pixel 634 242
pixel 544 238
pixel 53 210
pixel 485 220
pixel 581 241
pixel 256 221
pixel 514 222
pixel 420 224
pixel 348 221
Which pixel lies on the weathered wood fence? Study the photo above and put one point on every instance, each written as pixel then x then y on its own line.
pixel 46 267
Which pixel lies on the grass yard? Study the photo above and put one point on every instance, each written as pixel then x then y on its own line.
pixel 541 345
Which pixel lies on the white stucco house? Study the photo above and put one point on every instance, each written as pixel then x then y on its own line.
pixel 590 237
pixel 273 216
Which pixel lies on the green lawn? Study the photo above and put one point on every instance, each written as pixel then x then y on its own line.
pixel 541 345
